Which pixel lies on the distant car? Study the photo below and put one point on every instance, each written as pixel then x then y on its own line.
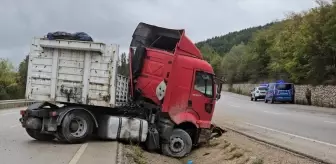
pixel 258 93
pixel 280 92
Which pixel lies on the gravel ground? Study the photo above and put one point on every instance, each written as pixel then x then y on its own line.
pixel 231 148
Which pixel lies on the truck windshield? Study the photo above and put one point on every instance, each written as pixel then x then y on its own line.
pixel 284 86
pixel 204 83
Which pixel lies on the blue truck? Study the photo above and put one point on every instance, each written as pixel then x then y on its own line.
pixel 280 92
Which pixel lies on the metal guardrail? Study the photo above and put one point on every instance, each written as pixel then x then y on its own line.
pixel 5 104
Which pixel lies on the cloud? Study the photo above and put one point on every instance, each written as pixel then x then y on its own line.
pixel 113 21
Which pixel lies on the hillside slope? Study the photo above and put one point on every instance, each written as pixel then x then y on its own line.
pixel 223 44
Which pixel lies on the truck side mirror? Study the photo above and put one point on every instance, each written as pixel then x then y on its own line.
pixel 219 87
pixel 218 96
pixel 219 91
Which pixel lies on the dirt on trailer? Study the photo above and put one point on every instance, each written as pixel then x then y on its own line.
pixel 231 148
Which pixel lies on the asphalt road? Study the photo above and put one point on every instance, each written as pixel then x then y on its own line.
pixel 17 147
pixel 311 130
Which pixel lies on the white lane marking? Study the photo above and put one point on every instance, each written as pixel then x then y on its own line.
pixel 14 126
pixel 276 113
pixel 293 135
pixel 331 122
pixel 9 113
pixel 236 106
pixel 78 154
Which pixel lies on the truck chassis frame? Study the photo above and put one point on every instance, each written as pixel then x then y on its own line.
pixel 74 123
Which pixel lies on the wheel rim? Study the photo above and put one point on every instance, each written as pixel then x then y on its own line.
pixel 78 127
pixel 176 144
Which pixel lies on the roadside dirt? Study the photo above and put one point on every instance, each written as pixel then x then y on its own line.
pixel 231 148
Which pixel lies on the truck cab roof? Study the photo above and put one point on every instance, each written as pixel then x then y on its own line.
pixel 171 40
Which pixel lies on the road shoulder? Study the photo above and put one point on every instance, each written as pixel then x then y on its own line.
pixel 315 149
pixel 230 148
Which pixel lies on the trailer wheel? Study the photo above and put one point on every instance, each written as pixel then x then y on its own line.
pixel 39 136
pixel 180 144
pixel 77 126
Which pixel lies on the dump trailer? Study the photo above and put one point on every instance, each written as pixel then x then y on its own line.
pixel 167 102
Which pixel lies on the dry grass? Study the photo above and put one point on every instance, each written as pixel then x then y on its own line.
pixel 136 153
pixel 258 161
pixel 231 148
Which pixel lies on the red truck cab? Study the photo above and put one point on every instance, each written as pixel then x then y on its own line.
pixel 168 70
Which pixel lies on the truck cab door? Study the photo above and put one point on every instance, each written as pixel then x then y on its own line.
pixel 202 96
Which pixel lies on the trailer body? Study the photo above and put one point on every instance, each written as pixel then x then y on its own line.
pixel 67 71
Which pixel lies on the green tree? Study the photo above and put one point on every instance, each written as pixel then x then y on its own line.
pixel 7 79
pixel 223 44
pixel 211 56
pixel 23 70
pixel 236 64
pixel 123 67
pixel 12 83
pixel 300 49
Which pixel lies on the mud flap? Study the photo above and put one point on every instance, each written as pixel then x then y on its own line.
pixel 205 135
pixel 216 131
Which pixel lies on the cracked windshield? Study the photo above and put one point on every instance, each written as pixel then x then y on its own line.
pixel 168 82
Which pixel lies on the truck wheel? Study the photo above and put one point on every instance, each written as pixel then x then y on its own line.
pixel 180 144
pixel 77 126
pixel 59 136
pixel 39 136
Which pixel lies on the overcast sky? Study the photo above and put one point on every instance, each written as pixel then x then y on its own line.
pixel 113 21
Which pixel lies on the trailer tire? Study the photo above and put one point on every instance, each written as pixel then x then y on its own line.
pixel 180 144
pixel 39 136
pixel 77 127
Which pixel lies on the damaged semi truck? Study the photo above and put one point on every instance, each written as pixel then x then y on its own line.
pixel 167 102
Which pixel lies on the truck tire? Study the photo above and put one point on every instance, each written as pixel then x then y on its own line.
pixel 39 136
pixel 180 144
pixel 77 127
pixel 59 136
